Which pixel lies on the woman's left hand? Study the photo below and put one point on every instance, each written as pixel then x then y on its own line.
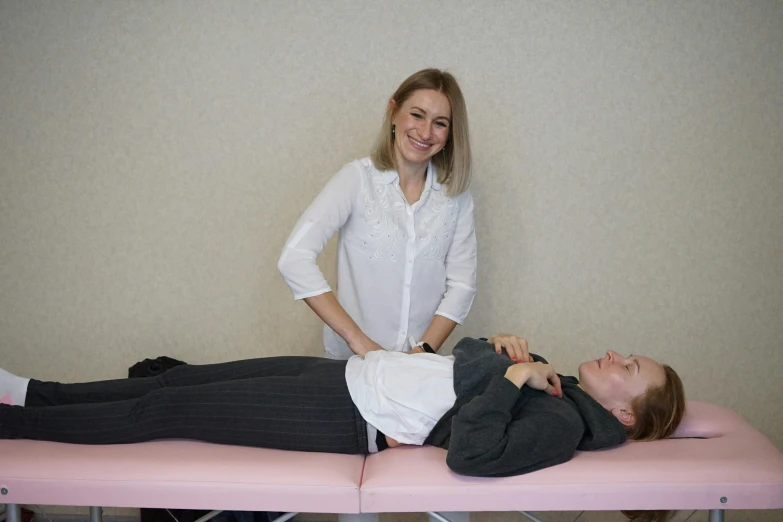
pixel 516 347
pixel 538 376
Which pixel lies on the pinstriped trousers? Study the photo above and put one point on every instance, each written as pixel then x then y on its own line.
pixel 290 403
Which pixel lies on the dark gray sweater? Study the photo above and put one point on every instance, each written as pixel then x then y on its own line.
pixel 495 429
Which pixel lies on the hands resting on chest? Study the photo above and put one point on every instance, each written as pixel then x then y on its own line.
pixel 536 375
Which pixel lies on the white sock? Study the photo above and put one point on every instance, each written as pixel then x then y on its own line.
pixel 14 387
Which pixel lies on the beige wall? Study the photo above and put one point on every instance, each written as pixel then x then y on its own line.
pixel 628 176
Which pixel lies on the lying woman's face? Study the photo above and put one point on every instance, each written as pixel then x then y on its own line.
pixel 615 381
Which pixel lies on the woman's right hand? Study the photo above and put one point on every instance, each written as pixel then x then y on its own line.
pixel 333 314
pixel 538 376
pixel 364 346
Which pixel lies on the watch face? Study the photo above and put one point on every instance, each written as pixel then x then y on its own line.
pixel 427 348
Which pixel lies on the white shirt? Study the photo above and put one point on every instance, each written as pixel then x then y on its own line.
pixel 402 395
pixel 398 265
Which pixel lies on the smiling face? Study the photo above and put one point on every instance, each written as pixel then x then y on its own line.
pixel 615 381
pixel 422 126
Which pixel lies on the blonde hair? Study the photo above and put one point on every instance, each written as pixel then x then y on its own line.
pixel 659 411
pixel 453 163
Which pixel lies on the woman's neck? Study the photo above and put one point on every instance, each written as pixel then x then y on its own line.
pixel 412 188
pixel 412 179
pixel 411 170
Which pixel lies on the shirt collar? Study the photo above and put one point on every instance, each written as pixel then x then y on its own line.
pixel 389 176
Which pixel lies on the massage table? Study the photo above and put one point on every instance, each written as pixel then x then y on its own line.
pixel 716 462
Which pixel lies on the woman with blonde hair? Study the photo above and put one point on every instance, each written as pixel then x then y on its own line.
pixel 406 253
pixel 406 260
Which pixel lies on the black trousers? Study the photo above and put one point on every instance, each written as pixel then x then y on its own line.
pixel 291 403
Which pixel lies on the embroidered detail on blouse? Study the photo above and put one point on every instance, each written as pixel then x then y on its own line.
pixel 435 225
pixel 382 220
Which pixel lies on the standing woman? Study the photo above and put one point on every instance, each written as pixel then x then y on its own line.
pixel 406 259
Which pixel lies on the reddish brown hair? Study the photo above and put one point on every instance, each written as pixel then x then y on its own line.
pixel 649 516
pixel 658 414
pixel 660 410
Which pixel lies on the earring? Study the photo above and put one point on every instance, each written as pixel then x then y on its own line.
pixel 394 127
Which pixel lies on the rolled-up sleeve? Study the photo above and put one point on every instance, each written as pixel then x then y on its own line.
pixel 325 216
pixel 461 263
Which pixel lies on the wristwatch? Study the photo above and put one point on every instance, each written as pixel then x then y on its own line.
pixel 425 346
pixel 421 344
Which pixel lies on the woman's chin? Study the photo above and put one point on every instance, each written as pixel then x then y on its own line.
pixel 584 370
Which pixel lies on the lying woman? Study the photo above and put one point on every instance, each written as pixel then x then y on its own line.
pixel 495 417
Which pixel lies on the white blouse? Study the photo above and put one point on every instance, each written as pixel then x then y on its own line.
pixel 398 265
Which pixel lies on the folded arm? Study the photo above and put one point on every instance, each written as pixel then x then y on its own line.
pixel 506 431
